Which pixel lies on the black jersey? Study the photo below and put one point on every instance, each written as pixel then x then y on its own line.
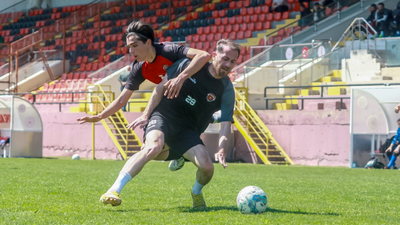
pixel 200 96
pixel 166 55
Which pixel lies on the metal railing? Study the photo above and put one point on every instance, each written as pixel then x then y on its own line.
pixel 285 54
pixel 308 21
pixel 321 95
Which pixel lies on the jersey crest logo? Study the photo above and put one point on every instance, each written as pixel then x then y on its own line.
pixel 211 97
pixel 165 67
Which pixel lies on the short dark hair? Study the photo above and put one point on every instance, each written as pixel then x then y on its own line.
pixel 381 3
pixel 398 120
pixel 233 45
pixel 373 5
pixel 143 29
pixel 316 4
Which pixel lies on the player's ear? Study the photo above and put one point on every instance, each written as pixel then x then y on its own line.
pixel 213 54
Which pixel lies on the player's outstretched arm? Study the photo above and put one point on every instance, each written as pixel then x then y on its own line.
pixel 199 59
pixel 224 140
pixel 154 100
pixel 116 105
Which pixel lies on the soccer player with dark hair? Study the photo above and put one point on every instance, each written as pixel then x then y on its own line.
pixel 151 63
pixel 173 126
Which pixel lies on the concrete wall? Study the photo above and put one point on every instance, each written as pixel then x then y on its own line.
pixel 311 137
pixel 308 137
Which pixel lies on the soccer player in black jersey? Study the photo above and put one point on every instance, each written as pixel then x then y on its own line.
pixel 177 123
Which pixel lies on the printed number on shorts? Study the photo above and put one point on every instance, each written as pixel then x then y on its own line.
pixel 190 100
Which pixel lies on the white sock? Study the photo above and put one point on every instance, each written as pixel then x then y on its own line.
pixel 197 188
pixel 122 180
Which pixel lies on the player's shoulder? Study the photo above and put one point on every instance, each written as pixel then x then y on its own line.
pixel 227 82
pixel 136 67
pixel 166 47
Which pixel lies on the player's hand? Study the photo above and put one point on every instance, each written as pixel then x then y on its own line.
pixel 173 87
pixel 397 108
pixel 140 121
pixel 388 150
pixel 88 119
pixel 220 157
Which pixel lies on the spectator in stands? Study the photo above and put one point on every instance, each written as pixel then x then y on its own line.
pixel 326 3
pixel 319 12
pixel 372 10
pixel 394 149
pixel 305 16
pixel 152 61
pixel 382 20
pixel 396 19
pixel 123 77
pixel 279 6
pixel 1 39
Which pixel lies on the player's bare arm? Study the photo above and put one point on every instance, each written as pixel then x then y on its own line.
pixel 224 140
pixel 199 59
pixel 116 105
pixel 154 100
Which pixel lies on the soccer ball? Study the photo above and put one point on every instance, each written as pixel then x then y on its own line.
pixel 76 157
pixel 251 199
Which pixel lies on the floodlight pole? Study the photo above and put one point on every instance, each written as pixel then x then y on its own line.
pixel 93 148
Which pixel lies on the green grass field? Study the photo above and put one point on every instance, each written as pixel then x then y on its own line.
pixel 63 191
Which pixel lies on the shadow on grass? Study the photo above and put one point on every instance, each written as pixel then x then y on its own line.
pixel 209 209
pixel 181 209
pixel 221 208
pixel 272 210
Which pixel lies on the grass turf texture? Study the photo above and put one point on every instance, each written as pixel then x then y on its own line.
pixel 63 191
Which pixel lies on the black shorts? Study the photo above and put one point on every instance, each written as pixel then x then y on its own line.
pixel 179 137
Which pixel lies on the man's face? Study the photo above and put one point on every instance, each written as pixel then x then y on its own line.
pixel 380 7
pixel 301 8
pixel 224 61
pixel 371 8
pixel 137 48
pixel 398 123
pixel 316 7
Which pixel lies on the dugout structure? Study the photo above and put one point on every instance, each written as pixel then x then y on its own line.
pixel 20 121
pixel 372 121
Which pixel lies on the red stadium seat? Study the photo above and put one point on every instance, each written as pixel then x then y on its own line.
pixel 278 16
pixel 251 27
pixel 218 21
pixel 207 30
pixel 262 18
pixel 240 35
pixel 228 28
pixel 257 10
pixel 203 38
pixel 247 34
pixel 200 30
pixel 236 27
pixel 239 19
pixel 243 27
pixel 267 25
pixel 270 17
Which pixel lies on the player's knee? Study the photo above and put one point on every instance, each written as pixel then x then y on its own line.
pixel 207 168
pixel 153 151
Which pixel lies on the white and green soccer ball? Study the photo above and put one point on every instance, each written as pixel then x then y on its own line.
pixel 76 157
pixel 251 199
